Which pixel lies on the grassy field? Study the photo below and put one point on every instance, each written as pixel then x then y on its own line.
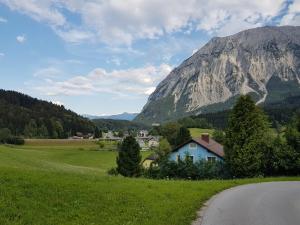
pixel 58 184
pixel 196 132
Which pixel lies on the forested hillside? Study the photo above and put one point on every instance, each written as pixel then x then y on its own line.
pixel 279 113
pixel 117 125
pixel 33 118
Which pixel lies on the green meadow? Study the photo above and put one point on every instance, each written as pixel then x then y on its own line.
pixel 55 183
pixel 196 132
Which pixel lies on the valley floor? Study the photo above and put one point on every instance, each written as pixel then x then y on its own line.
pixel 67 184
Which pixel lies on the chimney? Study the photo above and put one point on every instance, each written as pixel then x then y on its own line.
pixel 205 137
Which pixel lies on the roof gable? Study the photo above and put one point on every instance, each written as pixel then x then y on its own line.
pixel 211 146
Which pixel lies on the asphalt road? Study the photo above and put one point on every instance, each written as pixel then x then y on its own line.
pixel 274 203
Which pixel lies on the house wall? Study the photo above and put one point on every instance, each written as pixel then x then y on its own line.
pixel 147 163
pixel 198 153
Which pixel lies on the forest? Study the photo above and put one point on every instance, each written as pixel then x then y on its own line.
pixel 29 117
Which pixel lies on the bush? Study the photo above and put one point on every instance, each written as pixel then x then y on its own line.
pixel 188 170
pixel 113 172
pixel 15 140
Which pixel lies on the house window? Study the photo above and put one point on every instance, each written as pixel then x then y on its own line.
pixel 178 158
pixel 193 145
pixel 211 159
pixel 190 157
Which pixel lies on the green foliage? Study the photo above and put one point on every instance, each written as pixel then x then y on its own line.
pixel 121 134
pixel 119 125
pixel 280 159
pixel 5 133
pixel 170 131
pixel 97 133
pixel 7 138
pixel 219 136
pixel 246 137
pixel 13 140
pixel 33 118
pixel 129 158
pixel 113 172
pixel 163 149
pixel 293 133
pixel 183 136
pixel 195 122
pixel 186 169
pixel 175 133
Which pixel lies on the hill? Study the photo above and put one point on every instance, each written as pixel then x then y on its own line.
pixel 117 125
pixel 263 62
pixel 34 118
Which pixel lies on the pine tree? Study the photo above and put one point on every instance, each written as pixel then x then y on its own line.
pixel 183 135
pixel 129 158
pixel 246 137
pixel 97 133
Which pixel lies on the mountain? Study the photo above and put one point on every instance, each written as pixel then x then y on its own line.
pixel 122 116
pixel 263 62
pixel 34 118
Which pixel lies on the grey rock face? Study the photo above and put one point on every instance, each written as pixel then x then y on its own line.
pixel 227 67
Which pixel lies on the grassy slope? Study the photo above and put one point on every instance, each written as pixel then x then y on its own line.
pixel 196 132
pixel 68 185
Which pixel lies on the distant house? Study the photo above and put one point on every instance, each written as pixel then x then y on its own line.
pixel 143 133
pixel 203 148
pixel 149 160
pixel 142 145
pixel 153 143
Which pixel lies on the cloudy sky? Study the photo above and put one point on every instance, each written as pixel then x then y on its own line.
pixel 107 56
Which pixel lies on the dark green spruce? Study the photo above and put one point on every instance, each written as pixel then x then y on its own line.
pixel 129 158
pixel 246 138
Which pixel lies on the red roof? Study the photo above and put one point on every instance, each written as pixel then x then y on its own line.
pixel 211 146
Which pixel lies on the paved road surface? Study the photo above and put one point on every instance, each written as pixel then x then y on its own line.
pixel 274 203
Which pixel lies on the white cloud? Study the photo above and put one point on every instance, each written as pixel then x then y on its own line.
pixel 293 15
pixel 3 20
pixel 122 22
pixel 2 54
pixel 130 82
pixel 21 38
pixel 49 72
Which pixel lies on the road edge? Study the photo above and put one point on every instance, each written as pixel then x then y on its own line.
pixel 200 213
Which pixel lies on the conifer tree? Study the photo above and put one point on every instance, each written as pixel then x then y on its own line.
pixel 246 137
pixel 97 133
pixel 129 158
pixel 183 136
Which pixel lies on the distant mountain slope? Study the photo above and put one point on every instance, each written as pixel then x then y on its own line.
pixel 264 62
pixel 122 116
pixel 116 125
pixel 32 117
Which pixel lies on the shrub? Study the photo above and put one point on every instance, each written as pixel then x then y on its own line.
pixel 113 172
pixel 13 140
pixel 188 170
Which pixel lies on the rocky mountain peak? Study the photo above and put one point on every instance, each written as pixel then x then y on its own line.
pixel 251 61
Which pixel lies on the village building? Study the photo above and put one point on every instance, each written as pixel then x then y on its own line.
pixel 143 133
pixel 149 160
pixel 202 148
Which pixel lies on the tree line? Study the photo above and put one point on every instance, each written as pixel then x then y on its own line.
pixel 29 117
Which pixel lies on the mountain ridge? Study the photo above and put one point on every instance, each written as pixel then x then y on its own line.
pixel 121 116
pixel 226 67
